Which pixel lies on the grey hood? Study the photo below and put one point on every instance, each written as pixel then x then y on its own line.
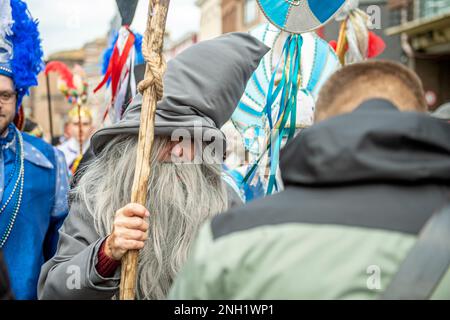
pixel 202 87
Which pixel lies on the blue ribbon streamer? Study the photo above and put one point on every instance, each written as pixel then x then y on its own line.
pixel 288 88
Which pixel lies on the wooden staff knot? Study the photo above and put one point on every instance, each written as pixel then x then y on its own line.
pixel 154 75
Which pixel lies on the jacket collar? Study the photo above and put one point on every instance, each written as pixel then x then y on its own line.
pixel 32 154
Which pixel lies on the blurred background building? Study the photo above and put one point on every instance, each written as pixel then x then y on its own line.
pixel 210 19
pixel 89 57
pixel 172 48
pixel 424 28
pixel 36 105
pixel 416 33
pixel 240 15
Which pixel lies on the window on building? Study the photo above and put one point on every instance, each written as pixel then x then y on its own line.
pixel 434 7
pixel 250 11
pixel 229 20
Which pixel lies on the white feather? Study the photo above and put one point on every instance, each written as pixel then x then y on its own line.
pixel 357 37
pixel 346 9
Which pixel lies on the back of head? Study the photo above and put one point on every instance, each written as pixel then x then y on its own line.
pixel 346 89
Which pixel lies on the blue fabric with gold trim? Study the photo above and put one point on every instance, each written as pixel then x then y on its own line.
pixel 34 235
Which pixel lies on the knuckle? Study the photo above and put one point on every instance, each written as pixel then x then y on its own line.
pixel 119 212
pixel 140 244
pixel 118 222
pixel 133 244
pixel 134 222
pixel 117 243
pixel 133 206
pixel 139 235
pixel 118 232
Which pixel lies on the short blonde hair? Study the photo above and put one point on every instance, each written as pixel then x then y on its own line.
pixel 348 87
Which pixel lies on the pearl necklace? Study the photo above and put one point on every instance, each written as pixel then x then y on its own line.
pixel 17 185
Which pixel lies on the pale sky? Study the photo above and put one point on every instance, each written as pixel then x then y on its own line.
pixel 68 24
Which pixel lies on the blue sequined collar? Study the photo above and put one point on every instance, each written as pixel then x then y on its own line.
pixel 31 153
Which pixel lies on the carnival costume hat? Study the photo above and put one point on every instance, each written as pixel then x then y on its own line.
pixel 355 41
pixel 280 98
pixel 202 87
pixel 317 62
pixel 21 56
pixel 83 112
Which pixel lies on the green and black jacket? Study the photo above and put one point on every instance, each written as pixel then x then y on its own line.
pixel 358 189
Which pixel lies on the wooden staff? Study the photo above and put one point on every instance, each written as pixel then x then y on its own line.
pixel 152 89
pixel 342 43
pixel 80 130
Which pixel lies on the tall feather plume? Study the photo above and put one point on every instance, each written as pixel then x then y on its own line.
pixel 138 47
pixel 6 23
pixel 27 58
pixel 63 71
pixel 108 52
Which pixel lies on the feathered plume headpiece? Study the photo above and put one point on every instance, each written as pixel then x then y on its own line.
pixel 21 56
pixel 356 42
pixel 71 84
pixel 124 52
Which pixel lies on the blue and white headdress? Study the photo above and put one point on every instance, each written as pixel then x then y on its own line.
pixel 299 16
pixel 21 56
pixel 280 97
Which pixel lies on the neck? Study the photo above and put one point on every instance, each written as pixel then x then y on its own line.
pixel 5 132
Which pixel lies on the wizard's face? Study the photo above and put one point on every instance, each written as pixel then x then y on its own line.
pixel 8 100
pixel 178 152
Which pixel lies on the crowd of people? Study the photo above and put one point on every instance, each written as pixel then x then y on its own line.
pixel 360 188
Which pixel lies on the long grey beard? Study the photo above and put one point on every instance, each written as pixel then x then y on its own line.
pixel 180 198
